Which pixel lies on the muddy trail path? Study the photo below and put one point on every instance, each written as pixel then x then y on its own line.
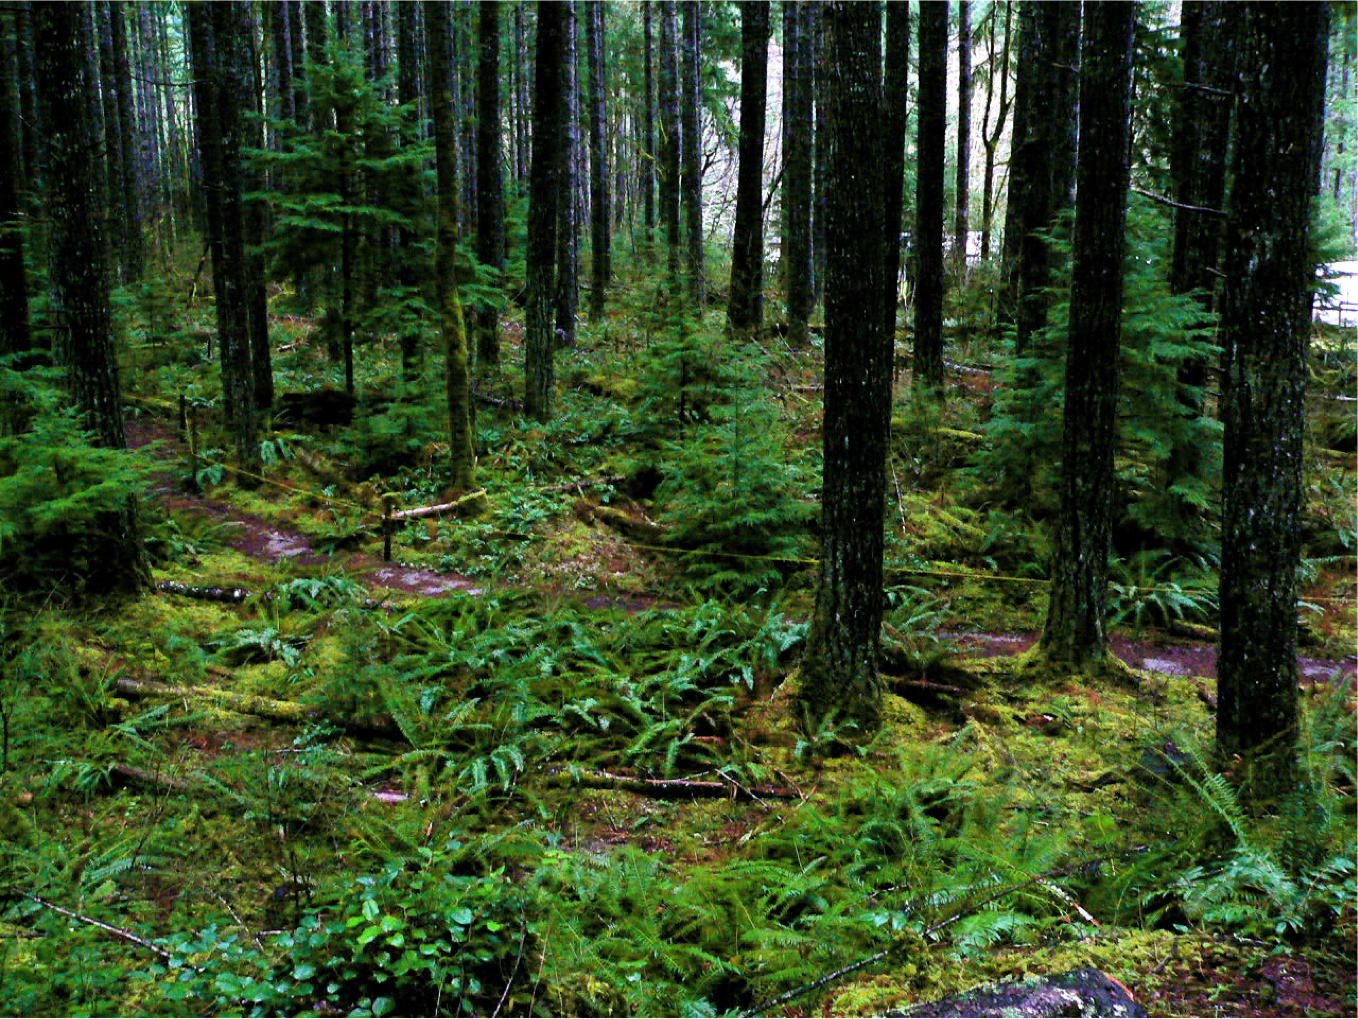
pixel 266 542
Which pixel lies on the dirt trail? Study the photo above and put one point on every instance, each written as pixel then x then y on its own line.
pixel 261 540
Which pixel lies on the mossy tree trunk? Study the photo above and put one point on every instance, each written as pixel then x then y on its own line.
pixel 1075 629
pixel 929 177
pixel 452 324
pixel 839 668
pixel 1265 321
pixel 797 156
pixel 646 164
pixel 408 54
pixel 78 279
pixel 962 188
pixel 669 135
pixel 568 205
pixel 600 222
pixel 691 171
pixel 746 307
pixel 543 194
pixel 894 117
pixel 490 210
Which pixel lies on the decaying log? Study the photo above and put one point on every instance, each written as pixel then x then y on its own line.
pixel 241 703
pixel 674 788
pixel 419 512
pixel 576 486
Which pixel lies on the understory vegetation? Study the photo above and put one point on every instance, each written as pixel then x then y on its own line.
pixel 575 781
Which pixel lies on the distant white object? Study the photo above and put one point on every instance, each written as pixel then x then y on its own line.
pixel 1342 308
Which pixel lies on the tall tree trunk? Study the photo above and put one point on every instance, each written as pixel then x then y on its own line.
pixel 894 119
pixel 78 278
pixel 797 123
pixel 991 139
pixel 600 222
pixel 461 451
pixel 1265 322
pixel 929 175
pixel 297 57
pixel 1075 630
pixel 490 221
pixel 411 260
pixel 568 207
pixel 746 308
pixel 314 14
pixel 839 669
pixel 648 156
pixel 544 192
pixel 962 188
pixel 691 172
pixel 218 64
pixel 15 336
pixel 821 155
pixel 1198 166
pixel 114 139
pixel 254 218
pixel 669 135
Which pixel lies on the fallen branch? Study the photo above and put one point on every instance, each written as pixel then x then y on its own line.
pixel 117 932
pixel 1177 205
pixel 241 703
pixel 420 512
pixel 674 788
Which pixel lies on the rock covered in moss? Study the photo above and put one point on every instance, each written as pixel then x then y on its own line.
pixel 1078 992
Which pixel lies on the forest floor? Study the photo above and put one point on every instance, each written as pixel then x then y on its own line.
pixel 544 762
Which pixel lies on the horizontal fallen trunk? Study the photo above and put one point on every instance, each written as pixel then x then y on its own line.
pixel 674 788
pixel 241 703
pixel 227 595
pixel 576 486
pixel 420 512
pixel 127 775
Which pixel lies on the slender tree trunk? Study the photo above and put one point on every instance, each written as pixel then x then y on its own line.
pixel 1265 322
pixel 991 140
pixel 78 278
pixel 490 221
pixel 746 307
pixel 1075 632
pixel 692 170
pixel 600 222
pixel 411 259
pixel 669 135
pixel 218 64
pixel 15 336
pixel 893 154
pixel 962 188
pixel 1198 166
pixel 797 122
pixel 297 58
pixel 461 451
pixel 647 160
pixel 568 208
pixel 929 176
pixel 839 669
pixel 821 156
pixel 114 139
pixel 544 191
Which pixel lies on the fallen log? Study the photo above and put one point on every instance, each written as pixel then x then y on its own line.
pixel 576 486
pixel 419 512
pixel 127 775
pixel 226 595
pixel 241 703
pixel 674 788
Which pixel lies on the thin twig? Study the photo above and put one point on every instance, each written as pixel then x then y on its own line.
pixel 117 932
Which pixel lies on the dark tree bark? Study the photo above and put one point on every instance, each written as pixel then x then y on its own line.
pixel 600 222
pixel 15 336
pixel 31 141
pixel 746 308
pixel 543 194
pixel 490 211
pixel 648 124
pixel 1265 321
pixel 286 97
pixel 797 128
pixel 297 55
pixel 820 158
pixel 522 103
pixel 78 277
pixel 1075 630
pixel 1198 166
pixel 691 171
pixel 114 140
pixel 408 52
pixel 669 135
pixel 255 221
pixel 894 118
pixel 991 138
pixel 929 176
pixel 568 207
pixel 839 668
pixel 1040 168
pixel 962 188
pixel 218 65
pixel 461 452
